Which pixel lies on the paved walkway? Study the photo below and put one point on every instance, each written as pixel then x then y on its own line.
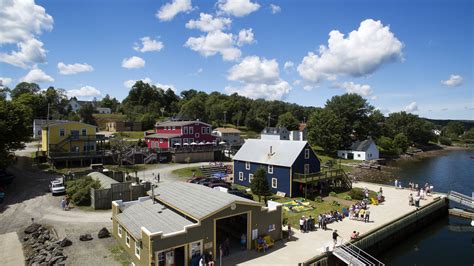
pixel 304 246
pixel 11 250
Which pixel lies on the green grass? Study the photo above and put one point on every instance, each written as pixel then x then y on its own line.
pixel 131 134
pixel 120 255
pixel 187 172
pixel 129 168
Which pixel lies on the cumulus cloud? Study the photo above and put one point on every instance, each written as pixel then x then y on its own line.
pixel 129 83
pixel 288 66
pixel 275 9
pixel 353 88
pixel 245 37
pixel 148 45
pixel 213 43
pixel 453 81
pixel 37 75
pixel 169 10
pixel 86 92
pixel 29 52
pixel 165 86
pixel 259 78
pixel 71 69
pixel 237 8
pixel 133 62
pixel 361 53
pixel 5 81
pixel 208 23
pixel 412 107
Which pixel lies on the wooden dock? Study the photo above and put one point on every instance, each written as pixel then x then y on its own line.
pixel 461 213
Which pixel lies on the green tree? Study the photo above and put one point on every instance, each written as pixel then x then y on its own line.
pixel 468 136
pixel 15 128
pixel 454 129
pixel 289 121
pixel 24 87
pixel 386 144
pixel 109 102
pixel 259 185
pixel 416 129
pixel 86 113
pixel 325 129
pixel 400 142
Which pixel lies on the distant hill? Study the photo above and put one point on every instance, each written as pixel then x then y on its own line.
pixel 468 124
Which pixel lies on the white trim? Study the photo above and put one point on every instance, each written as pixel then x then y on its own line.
pixel 250 178
pixel 306 153
pixel 191 130
pixel 127 239
pixel 119 230
pixel 241 176
pixel 247 165
pixel 274 183
pixel 137 248
pixel 270 167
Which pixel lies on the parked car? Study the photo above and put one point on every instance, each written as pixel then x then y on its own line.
pixel 219 184
pixel 5 178
pixel 195 180
pixel 240 193
pixel 205 181
pixel 57 187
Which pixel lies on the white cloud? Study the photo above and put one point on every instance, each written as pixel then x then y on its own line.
pixel 133 62
pixel 74 68
pixel 245 37
pixel 207 23
pixel 237 8
pixel 259 78
pixel 412 107
pixel 275 9
pixel 353 88
pixel 453 81
pixel 37 75
pixel 5 81
pixel 213 43
pixel 21 20
pixel 29 52
pixel 363 52
pixel 165 86
pixel 169 10
pixel 86 92
pixel 148 45
pixel 289 65
pixel 129 84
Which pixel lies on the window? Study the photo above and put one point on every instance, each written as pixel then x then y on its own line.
pixel 306 153
pixel 84 132
pixel 137 249
pixel 250 178
pixel 174 128
pixel 306 169
pixel 185 130
pixel 241 176
pixel 358 155
pixel 196 135
pixel 191 140
pixel 270 169
pixel 247 165
pixel 274 183
pixel 161 140
pixel 119 230
pixel 61 132
pixel 191 130
pixel 127 239
pixel 203 130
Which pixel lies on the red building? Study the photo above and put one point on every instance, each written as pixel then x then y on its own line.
pixel 169 133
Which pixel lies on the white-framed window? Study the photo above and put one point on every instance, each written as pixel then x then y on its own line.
pixel 274 183
pixel 127 239
pixel 247 165
pixel 203 130
pixel 306 169
pixel 191 140
pixel 119 230
pixel 191 130
pixel 137 249
pixel 161 140
pixel 185 130
pixel 250 178
pixel 174 128
pixel 306 153
pixel 196 135
pixel 270 169
pixel 241 176
pixel 62 132
pixel 84 132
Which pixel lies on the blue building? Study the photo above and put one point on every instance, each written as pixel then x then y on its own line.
pixel 281 159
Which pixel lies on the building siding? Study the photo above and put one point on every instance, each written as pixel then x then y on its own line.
pixel 51 135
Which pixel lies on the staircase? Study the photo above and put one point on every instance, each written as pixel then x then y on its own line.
pixel 461 199
pixel 352 255
pixel 151 158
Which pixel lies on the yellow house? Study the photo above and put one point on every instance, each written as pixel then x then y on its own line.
pixel 71 136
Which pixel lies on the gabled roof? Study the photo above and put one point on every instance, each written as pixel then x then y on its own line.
pixel 59 122
pixel 273 130
pixel 361 145
pixel 154 217
pixel 162 136
pixel 105 181
pixel 171 123
pixel 196 201
pixel 257 150
pixel 227 130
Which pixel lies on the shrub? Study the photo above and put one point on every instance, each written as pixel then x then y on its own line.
pixel 79 190
pixel 318 199
pixel 445 141
pixel 332 194
pixel 347 197
pixel 335 203
pixel 356 193
pixel 285 220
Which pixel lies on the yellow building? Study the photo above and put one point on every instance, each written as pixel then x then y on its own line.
pixel 68 137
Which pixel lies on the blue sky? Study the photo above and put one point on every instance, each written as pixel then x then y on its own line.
pixel 400 55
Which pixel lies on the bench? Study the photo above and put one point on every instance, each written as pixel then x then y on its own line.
pixel 268 240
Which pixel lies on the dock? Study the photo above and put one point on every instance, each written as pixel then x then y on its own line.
pixel 461 213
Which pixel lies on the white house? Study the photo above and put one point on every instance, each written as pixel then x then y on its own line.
pixel 360 150
pixel 230 135
pixel 76 106
pixel 275 133
pixel 103 110
pixel 300 134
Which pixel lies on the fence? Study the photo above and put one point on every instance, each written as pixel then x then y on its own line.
pixel 102 198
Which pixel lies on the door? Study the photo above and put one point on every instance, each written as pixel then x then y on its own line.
pixel 169 258
pixel 306 169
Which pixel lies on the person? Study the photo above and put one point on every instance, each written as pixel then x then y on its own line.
pixel 400 184
pixel 202 261
pixel 63 204
pixel 302 224
pixel 68 200
pixel 158 177
pixel 153 175
pixel 381 191
pixel 396 183
pixel 410 200
pixel 354 235
pixel 210 259
pixel 422 193
pixel 417 201
pixel 263 243
pixel 243 241
pixel 289 231
pixel 226 247
pixel 320 221
pixel 366 216
pixel 335 235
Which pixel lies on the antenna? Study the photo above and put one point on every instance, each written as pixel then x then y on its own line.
pixel 269 118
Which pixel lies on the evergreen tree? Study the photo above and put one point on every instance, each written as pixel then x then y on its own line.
pixel 259 185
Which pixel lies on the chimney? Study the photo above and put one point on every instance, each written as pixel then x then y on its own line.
pixel 271 149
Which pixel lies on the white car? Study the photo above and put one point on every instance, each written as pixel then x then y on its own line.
pixel 57 187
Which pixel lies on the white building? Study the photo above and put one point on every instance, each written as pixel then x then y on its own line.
pixel 360 150
pixel 300 134
pixel 103 110
pixel 275 133
pixel 76 106
pixel 230 135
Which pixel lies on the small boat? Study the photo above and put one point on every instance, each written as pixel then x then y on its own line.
pixel 472 156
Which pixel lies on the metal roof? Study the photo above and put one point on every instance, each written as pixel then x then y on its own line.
pixel 361 145
pixel 105 181
pixel 162 136
pixel 154 217
pixel 273 130
pixel 283 152
pixel 171 123
pixel 227 130
pixel 197 201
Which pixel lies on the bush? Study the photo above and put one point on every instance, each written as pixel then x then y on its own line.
pixel 335 203
pixel 332 194
pixel 445 141
pixel 285 220
pixel 318 199
pixel 356 193
pixel 79 190
pixel 347 197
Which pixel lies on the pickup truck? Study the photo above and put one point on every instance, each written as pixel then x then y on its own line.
pixel 57 187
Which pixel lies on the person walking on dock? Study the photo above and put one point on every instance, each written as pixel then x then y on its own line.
pixel 335 235
pixel 366 217
pixel 396 183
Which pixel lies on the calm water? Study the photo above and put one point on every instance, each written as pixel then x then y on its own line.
pixel 441 243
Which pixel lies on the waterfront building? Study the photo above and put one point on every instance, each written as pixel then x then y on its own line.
pixel 231 136
pixel 360 150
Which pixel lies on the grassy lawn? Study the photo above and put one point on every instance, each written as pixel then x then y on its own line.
pixel 120 255
pixel 129 168
pixel 187 172
pixel 131 134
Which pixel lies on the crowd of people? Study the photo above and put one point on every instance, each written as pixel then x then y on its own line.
pixel 359 211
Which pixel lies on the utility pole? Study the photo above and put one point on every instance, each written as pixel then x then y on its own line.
pixel 162 109
pixel 225 117
pixel 269 117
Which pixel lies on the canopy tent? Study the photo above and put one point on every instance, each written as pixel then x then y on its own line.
pixel 219 175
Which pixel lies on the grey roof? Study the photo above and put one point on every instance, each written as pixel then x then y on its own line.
pixel 163 136
pixel 154 217
pixel 284 152
pixel 105 181
pixel 195 200
pixel 273 130
pixel 361 145
pixel 170 123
